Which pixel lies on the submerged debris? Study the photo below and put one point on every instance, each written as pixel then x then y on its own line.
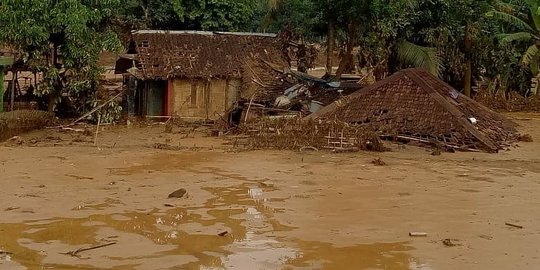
pixel 436 152
pixel 75 253
pixel 178 193
pixel 417 234
pixel 266 183
pixel 16 140
pixel 378 162
pixel 513 225
pixel 450 242
pixel 164 146
pixel 525 138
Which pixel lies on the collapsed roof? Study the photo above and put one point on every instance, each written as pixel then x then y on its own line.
pixel 200 54
pixel 415 104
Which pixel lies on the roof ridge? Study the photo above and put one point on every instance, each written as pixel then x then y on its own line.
pixel 198 32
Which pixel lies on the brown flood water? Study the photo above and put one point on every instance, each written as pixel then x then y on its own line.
pixel 280 209
pixel 178 238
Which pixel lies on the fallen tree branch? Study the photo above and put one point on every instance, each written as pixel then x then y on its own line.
pixel 75 253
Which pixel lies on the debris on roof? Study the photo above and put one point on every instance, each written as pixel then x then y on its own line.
pixel 262 83
pixel 415 105
pixel 309 91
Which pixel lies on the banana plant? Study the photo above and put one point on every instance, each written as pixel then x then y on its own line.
pixel 527 28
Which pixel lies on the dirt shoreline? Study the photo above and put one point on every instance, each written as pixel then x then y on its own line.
pixel 280 209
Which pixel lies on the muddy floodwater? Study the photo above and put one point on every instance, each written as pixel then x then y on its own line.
pixel 67 204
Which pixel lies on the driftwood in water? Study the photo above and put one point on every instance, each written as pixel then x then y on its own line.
pixel 75 253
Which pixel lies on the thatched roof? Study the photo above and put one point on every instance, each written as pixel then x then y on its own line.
pixel 416 104
pixel 198 54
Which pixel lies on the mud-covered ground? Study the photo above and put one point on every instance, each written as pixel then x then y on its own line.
pixel 275 209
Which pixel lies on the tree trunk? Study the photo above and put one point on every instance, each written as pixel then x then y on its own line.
pixel 50 105
pixel 347 59
pixel 467 81
pixel 53 90
pixel 330 47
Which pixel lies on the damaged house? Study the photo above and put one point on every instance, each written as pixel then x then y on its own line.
pixel 414 105
pixel 197 74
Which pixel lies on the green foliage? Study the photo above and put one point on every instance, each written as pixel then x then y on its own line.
pixel 419 56
pixel 146 14
pixel 63 39
pixel 425 33
pixel 220 15
pixel 109 113
pixel 525 20
pixel 298 16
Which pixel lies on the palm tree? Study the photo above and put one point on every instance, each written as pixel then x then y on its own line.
pixel 415 55
pixel 273 4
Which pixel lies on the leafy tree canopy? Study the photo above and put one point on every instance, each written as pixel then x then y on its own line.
pixel 61 38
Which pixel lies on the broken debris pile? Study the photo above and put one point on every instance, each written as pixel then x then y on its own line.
pixel 296 134
pixel 509 102
pixel 310 92
pixel 414 105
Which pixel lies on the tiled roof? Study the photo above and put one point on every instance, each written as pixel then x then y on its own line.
pixel 415 103
pixel 195 54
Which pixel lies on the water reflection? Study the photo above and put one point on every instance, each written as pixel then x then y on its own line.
pixel 180 231
pixel 187 238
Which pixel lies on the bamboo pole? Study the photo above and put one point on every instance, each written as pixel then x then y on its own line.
pixel 97 129
pixel 95 109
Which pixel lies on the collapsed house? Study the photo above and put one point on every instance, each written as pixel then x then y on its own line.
pixel 414 105
pixel 198 74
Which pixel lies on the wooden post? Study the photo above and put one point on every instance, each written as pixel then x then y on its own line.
pixel 14 75
pixel 4 61
pixel 170 89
